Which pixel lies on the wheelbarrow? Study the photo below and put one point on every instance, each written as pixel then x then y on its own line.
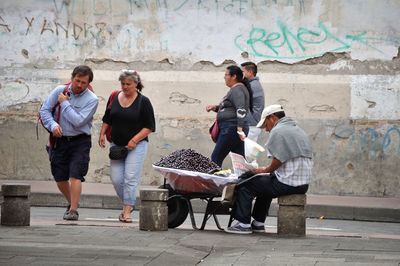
pixel 184 186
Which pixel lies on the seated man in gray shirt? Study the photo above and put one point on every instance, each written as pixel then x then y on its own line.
pixel 288 173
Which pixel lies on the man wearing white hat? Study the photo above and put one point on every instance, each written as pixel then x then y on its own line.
pixel 288 173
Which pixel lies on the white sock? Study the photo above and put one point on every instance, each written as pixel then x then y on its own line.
pixel 257 223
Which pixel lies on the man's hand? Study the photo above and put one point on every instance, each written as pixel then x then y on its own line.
pixel 241 134
pixel 211 108
pixel 62 97
pixel 246 175
pixel 57 132
pixel 261 170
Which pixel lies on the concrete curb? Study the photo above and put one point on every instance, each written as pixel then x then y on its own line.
pixel 358 213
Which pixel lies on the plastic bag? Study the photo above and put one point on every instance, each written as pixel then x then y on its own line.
pixel 252 149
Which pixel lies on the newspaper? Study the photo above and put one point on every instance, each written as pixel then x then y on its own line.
pixel 240 165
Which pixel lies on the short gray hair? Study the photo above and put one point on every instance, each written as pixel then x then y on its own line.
pixel 132 75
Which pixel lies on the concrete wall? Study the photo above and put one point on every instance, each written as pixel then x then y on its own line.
pixel 334 65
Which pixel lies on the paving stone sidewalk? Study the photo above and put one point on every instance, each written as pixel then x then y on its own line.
pixel 94 241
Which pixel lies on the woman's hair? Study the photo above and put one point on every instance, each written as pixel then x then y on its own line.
pixel 236 71
pixel 132 75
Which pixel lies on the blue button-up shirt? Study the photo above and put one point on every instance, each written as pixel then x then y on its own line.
pixel 76 113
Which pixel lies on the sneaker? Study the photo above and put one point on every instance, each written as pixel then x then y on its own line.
pixel 257 228
pixel 72 215
pixel 238 229
pixel 66 212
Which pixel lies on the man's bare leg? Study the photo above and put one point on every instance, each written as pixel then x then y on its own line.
pixel 76 190
pixel 64 188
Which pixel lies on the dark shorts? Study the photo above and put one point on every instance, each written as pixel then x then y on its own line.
pixel 70 158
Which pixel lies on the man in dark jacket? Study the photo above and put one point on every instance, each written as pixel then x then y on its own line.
pixel 250 71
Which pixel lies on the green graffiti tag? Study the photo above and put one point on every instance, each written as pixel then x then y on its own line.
pixel 365 40
pixel 301 43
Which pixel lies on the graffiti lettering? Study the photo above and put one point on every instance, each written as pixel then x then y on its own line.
pixel 302 43
pixel 4 26
pixel 387 139
pixel 58 25
pixel 108 7
pixel 63 3
pixel 46 26
pixel 370 143
pixel 84 34
pixel 365 40
pixel 87 30
pixel 289 44
pixel 29 24
pixel 179 6
pixel 138 4
pixel 162 4
pixel 77 30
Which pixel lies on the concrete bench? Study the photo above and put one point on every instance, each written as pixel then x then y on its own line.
pixel 15 209
pixel 291 215
pixel 153 214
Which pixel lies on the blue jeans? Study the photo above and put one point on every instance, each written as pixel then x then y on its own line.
pixel 125 174
pixel 228 141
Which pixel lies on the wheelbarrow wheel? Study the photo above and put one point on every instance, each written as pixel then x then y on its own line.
pixel 177 211
pixel 178 208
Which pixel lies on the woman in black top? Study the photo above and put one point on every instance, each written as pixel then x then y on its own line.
pixel 232 115
pixel 131 118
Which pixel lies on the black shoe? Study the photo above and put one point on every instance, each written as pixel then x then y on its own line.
pixel 238 229
pixel 72 215
pixel 66 212
pixel 257 228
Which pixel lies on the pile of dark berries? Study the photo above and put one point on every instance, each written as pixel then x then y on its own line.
pixel 187 159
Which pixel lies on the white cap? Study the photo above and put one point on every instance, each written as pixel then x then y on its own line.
pixel 269 110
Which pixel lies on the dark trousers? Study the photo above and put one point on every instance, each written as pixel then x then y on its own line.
pixel 228 141
pixel 264 188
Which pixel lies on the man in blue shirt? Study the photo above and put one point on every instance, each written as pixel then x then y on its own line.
pixel 71 126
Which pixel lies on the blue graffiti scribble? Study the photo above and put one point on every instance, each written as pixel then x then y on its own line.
pixel 387 139
pixel 370 143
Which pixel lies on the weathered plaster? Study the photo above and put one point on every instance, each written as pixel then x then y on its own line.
pixel 333 65
pixel 286 31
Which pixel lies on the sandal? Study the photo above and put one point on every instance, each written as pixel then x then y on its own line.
pixel 122 219
pixel 128 220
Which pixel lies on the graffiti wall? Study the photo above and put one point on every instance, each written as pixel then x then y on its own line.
pixel 333 64
pixel 213 30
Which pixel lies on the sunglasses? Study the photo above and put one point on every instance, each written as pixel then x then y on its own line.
pixel 128 71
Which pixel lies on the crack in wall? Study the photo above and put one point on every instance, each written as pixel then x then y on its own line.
pixel 177 97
